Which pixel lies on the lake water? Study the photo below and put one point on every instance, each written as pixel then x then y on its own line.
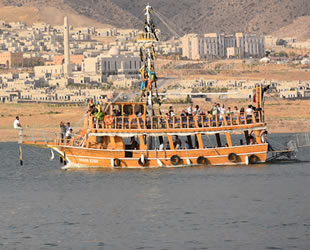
pixel 43 207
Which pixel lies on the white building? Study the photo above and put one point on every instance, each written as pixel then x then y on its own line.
pixel 112 63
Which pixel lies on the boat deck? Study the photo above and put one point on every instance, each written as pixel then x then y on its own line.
pixel 176 122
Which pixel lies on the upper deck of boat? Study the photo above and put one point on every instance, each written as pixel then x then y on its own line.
pixel 156 124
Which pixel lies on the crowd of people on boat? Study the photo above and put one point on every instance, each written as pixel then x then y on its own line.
pixel 217 110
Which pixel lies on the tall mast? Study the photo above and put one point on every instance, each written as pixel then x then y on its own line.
pixel 147 55
pixel 149 62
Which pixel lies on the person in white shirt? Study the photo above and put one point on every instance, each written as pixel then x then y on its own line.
pixel 197 110
pixel 68 127
pixel 162 146
pixel 249 111
pixel 16 123
pixel 69 134
pixel 236 111
pixel 222 111
pixel 190 110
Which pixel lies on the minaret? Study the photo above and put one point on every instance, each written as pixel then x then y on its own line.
pixel 67 66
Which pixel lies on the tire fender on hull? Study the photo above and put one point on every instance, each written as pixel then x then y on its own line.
pixel 201 160
pixel 116 162
pixel 175 159
pixel 232 157
pixel 253 159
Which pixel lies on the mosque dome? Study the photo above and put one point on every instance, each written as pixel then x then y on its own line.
pixel 114 51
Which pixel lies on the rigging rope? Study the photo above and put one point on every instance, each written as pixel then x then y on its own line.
pixel 163 19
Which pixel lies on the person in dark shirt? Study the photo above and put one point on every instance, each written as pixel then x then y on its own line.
pixel 134 144
pixel 63 130
pixel 177 142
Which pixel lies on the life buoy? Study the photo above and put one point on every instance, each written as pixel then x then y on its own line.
pixel 253 159
pixel 116 162
pixel 108 120
pixel 202 160
pixel 232 157
pixel 142 163
pixel 175 159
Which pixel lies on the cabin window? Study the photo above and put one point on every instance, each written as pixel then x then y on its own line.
pixel 117 110
pixel 129 148
pixel 139 108
pixel 128 110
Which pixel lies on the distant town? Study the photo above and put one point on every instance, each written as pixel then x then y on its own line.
pixel 65 64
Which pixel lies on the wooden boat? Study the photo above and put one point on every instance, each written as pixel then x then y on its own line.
pixel 210 139
pixel 105 143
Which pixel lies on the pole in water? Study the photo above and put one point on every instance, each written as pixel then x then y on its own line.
pixel 65 162
pixel 20 155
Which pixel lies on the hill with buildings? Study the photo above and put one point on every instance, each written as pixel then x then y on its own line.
pixel 184 16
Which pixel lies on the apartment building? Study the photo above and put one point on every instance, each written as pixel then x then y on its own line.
pixel 213 45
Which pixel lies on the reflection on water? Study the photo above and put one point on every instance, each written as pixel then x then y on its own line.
pixel 266 206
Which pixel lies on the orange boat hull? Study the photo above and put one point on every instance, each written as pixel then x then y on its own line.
pixel 85 157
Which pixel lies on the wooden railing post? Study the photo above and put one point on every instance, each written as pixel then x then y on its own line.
pixel 253 118
pixel 224 120
pixel 196 121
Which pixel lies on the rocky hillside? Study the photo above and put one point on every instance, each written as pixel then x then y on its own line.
pixel 264 16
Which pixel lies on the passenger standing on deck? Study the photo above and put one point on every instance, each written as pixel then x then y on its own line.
pixel 68 128
pixel 134 144
pixel 236 111
pixel 69 134
pixel 190 110
pixel 249 112
pixel 197 110
pixel 229 111
pixel 171 112
pixel 187 146
pixel 214 110
pixel 162 146
pixel 177 142
pixel 63 130
pixel 222 111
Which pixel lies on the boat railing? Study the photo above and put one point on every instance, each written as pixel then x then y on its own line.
pixel 41 137
pixel 177 122
pixel 37 136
